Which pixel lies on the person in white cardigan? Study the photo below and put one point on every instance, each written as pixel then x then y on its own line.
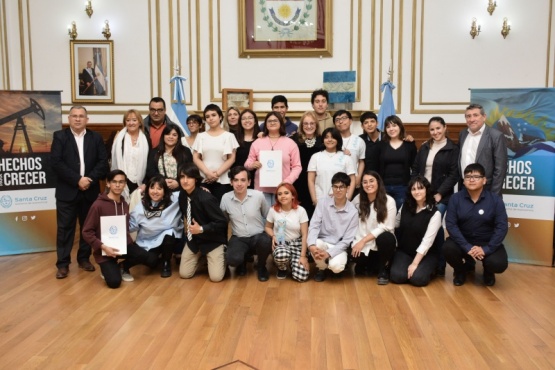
pixel 375 243
pixel 130 151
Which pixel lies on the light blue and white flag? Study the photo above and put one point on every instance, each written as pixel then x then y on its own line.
pixel 178 105
pixel 388 107
pixel 100 77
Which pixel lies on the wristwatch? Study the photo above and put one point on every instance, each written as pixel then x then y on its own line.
pixel 201 230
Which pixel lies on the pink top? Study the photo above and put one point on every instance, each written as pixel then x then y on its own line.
pixel 291 160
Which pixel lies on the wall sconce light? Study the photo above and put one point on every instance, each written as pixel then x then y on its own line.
pixel 491 6
pixel 106 30
pixel 88 8
pixel 474 28
pixel 72 30
pixel 506 28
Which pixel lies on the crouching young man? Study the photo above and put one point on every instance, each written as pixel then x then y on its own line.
pixel 332 228
pixel 112 204
pixel 206 229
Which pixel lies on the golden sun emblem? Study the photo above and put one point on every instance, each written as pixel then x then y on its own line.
pixel 284 11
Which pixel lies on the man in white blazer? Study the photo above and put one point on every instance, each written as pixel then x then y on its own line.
pixel 485 145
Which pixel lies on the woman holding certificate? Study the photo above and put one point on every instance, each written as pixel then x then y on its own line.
pixel 275 157
pixel 110 211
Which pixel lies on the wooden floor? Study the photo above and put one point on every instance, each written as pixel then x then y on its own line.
pixel 240 323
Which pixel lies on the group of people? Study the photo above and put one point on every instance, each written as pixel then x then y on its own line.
pixel 370 199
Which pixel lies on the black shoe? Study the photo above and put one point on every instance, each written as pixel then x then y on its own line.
pixel 383 277
pixel 281 274
pixel 489 278
pixel 166 269
pixel 263 274
pixel 320 276
pixel 459 278
pixel 361 270
pixel 440 271
pixel 241 270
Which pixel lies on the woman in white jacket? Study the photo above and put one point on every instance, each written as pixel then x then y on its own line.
pixel 130 151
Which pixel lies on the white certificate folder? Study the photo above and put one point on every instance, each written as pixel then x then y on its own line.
pixel 113 232
pixel 270 172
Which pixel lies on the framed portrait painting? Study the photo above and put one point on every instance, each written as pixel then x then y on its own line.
pixel 92 71
pixel 285 28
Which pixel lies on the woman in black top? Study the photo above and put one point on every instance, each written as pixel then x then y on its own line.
pixel 396 158
pixel 309 141
pixel 416 225
pixel 168 156
pixel 246 134
pixel 437 160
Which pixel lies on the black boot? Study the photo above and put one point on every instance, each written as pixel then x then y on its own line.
pixel 166 269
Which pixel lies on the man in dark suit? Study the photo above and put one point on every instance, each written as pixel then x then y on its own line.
pixel 79 159
pixel 484 145
pixel 88 77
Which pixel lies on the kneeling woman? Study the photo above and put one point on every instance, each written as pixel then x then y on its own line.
pixel 157 220
pixel 417 222
pixel 374 244
pixel 112 204
pixel 287 224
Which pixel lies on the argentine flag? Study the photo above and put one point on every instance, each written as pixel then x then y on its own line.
pixel 178 106
pixel 388 107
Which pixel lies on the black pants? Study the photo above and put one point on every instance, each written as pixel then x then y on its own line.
pixel 164 251
pixel 135 256
pixel 420 277
pixel 238 247
pixel 496 262
pixel 386 243
pixel 67 214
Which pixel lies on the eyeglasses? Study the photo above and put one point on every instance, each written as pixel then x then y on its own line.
pixel 273 121
pixel 473 177
pixel 341 119
pixel 245 118
pixel 338 187
pixel 80 116
pixel 161 110
pixel 115 182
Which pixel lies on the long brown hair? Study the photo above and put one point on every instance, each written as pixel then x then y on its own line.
pixel 379 204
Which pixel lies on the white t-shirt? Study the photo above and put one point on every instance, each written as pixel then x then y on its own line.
pixel 326 165
pixel 214 151
pixel 357 147
pixel 288 223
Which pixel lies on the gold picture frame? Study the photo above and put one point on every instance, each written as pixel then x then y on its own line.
pixel 92 71
pixel 270 28
pixel 238 98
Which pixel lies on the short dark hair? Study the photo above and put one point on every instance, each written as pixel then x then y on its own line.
pixel 158 99
pixel 79 107
pixel 336 135
pixel 341 177
pixel 190 170
pixel 234 171
pixel 476 106
pixel 340 112
pixel 322 92
pixel 112 174
pixel 475 167
pixel 279 99
pixel 368 115
pixel 214 108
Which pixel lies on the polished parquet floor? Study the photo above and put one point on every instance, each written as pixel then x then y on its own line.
pixel 240 323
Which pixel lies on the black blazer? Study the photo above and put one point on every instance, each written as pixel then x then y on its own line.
pixel 64 157
pixel 445 169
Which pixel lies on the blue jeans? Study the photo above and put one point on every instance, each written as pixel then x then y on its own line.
pixel 397 192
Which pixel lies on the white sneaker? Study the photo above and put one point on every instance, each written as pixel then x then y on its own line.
pixel 126 276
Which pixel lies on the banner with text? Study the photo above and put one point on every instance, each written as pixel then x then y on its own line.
pixel 28 120
pixel 527 119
